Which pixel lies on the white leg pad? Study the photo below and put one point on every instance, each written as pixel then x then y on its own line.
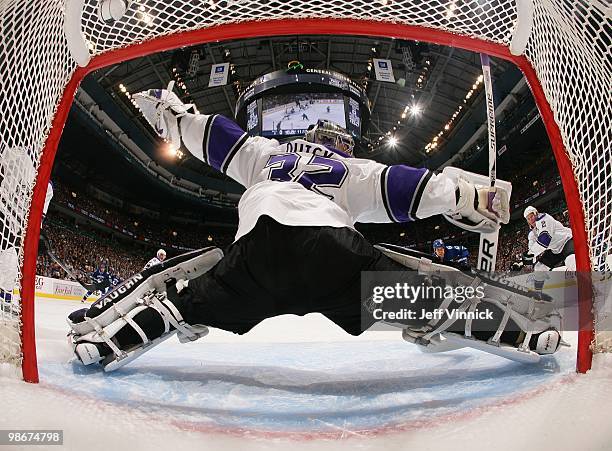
pixel 188 269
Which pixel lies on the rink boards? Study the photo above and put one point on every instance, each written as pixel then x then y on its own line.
pixel 49 288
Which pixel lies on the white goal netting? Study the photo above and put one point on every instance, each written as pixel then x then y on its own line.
pixel 568 43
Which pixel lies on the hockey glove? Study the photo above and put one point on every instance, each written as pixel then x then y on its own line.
pixel 528 258
pixel 516 266
pixel 479 209
pixel 162 108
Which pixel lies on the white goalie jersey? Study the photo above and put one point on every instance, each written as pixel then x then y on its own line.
pixel 548 234
pixel 341 189
pixel 154 261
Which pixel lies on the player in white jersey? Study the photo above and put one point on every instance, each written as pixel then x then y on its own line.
pixel 550 245
pixel 296 248
pixel 159 257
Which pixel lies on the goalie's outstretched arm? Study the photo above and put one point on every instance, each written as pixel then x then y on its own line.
pixel 368 191
pixel 221 143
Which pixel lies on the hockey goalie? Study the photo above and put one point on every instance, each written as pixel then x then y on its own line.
pixel 296 249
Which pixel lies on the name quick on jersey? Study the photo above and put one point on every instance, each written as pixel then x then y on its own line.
pixel 302 146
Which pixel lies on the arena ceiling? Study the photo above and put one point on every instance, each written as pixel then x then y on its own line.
pixel 432 82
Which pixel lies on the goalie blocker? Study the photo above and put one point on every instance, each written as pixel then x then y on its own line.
pixel 260 278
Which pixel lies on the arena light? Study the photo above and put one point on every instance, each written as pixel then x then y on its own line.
pixel 415 110
pixel 393 141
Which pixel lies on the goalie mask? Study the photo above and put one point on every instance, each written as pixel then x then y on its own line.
pixel 330 134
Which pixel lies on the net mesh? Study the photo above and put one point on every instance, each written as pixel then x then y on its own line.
pixel 569 49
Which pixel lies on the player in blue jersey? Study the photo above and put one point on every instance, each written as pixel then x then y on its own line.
pixel 114 279
pixel 457 255
pixel 102 279
pixel 296 249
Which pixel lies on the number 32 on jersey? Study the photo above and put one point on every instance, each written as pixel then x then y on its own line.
pixel 311 171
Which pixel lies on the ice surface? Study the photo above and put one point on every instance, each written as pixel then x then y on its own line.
pixel 302 382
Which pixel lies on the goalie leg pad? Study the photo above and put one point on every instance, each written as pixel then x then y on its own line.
pixel 152 321
pixel 527 324
pixel 518 337
pixel 138 315
pixel 124 297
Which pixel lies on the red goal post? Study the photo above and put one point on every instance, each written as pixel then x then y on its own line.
pixel 561 46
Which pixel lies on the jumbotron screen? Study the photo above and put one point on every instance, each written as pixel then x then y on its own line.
pixel 291 114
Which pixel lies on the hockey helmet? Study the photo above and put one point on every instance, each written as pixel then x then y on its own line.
pixel 529 210
pixel 330 134
pixel 161 254
pixel 438 244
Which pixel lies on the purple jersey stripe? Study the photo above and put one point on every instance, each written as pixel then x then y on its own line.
pixel 544 239
pixel 405 186
pixel 221 142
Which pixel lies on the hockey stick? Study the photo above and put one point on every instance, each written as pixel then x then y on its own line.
pixel 487 250
pixel 96 286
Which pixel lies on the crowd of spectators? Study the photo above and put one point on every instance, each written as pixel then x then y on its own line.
pixel 539 178
pixel 144 228
pixel 84 249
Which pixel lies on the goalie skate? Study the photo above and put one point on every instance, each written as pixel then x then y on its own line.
pixel 535 315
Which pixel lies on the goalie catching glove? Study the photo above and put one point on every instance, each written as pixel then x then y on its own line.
pixel 140 313
pixel 162 108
